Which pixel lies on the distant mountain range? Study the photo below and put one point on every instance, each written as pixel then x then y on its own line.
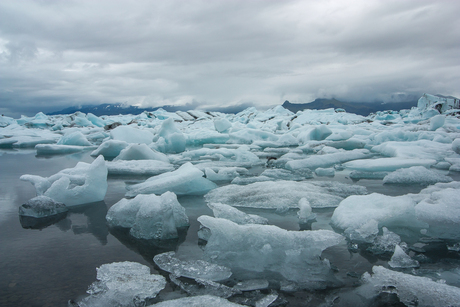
pixel 360 108
pixel 319 104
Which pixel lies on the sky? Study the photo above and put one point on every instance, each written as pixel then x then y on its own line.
pixel 219 53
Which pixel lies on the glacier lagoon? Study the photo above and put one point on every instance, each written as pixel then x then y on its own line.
pixel 315 208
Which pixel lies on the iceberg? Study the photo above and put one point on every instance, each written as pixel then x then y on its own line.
pixel 129 134
pixel 110 148
pixel 415 175
pixel 197 269
pixel 149 216
pixel 186 180
pixel 123 284
pixel 328 160
pixel 170 139
pixel 266 249
pixel 283 194
pixel 42 206
pixel 140 152
pixel 230 213
pixel 85 183
pixel 75 138
pixel 387 164
pixel 54 149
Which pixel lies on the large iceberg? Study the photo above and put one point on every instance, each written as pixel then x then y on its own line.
pixel 267 250
pixel 85 183
pixel 149 216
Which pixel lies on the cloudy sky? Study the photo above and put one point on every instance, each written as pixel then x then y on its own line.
pixel 55 54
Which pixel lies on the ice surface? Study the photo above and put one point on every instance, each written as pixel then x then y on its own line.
pixel 357 175
pixel 415 175
pixel 456 145
pixel 265 248
pixel 283 174
pixel 85 183
pixel 42 206
pixel 315 134
pixel 252 284
pixel 224 173
pixel 283 194
pixel 401 260
pixel 366 233
pixel 138 167
pixel 149 216
pixel 222 125
pixel 123 284
pixel 198 301
pixel 191 268
pixel 110 148
pixel 305 215
pixel 385 243
pixel 52 149
pixel 140 152
pixel 355 211
pixel 437 122
pixel 129 134
pixel 204 287
pixel 74 138
pixel 387 164
pixel 186 180
pixel 230 213
pixel 328 160
pixel 410 289
pixel 171 139
pixel 229 157
pixel 325 172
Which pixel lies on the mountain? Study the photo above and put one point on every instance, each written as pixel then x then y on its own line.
pixel 361 108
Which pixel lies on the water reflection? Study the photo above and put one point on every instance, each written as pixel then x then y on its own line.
pixel 148 248
pixel 95 221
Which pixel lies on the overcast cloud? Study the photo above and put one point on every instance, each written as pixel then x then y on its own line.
pixel 211 53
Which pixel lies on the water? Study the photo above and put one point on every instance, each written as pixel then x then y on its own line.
pixel 47 267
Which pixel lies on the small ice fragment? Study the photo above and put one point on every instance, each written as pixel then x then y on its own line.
pixel 252 284
pixel 401 260
pixel 42 206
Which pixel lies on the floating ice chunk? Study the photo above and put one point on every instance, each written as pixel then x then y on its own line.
pixel 198 301
pixel 328 160
pixel 236 157
pixel 52 149
pixel 354 212
pixel 173 139
pixel 441 210
pixel 266 248
pixel 249 180
pixel 149 216
pixel 305 215
pixel 456 145
pixel 252 284
pixel 437 122
pixel 82 184
pixel 325 172
pixel 401 260
pixel 349 144
pixel 283 194
pixel 96 121
pixel 222 125
pixel 141 152
pixel 409 288
pixel 6 121
pixel 204 136
pixel 283 174
pixel 415 175
pixel 357 175
pixel 74 138
pixel 235 215
pixel 316 134
pixel 110 148
pixel 204 287
pixel 42 206
pixel 191 269
pixel 123 284
pixel 138 167
pixel 385 243
pixel 225 173
pixel 267 300
pixel 131 135
pixel 387 164
pixel 366 233
pixel 186 180
pixel 248 136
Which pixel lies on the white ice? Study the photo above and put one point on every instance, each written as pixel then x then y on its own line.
pixel 130 134
pixel 138 167
pixel 110 148
pixel 327 160
pixel 415 175
pixel 140 152
pixel 230 213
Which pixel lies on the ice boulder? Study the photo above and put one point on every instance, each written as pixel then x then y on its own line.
pixel 131 135
pixel 415 175
pixel 230 213
pixel 191 268
pixel 85 183
pixel 140 152
pixel 149 216
pixel 170 138
pixel 123 284
pixel 42 206
pixel 269 250
pixel 110 148
pixel 186 180
pixel 283 194
pixel 355 211
pixel 74 138
pixel 222 125
pixel 409 289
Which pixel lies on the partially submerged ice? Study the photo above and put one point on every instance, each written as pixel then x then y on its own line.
pixel 230 213
pixel 42 206
pixel 401 260
pixel 197 301
pixel 191 268
pixel 415 175
pixel 283 194
pixel 149 216
pixel 267 250
pixel 85 183
pixel 186 180
pixel 123 284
